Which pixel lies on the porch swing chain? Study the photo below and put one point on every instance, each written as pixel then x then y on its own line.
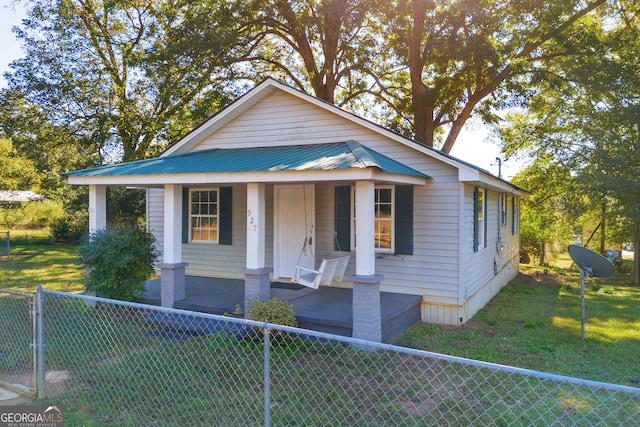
pixel 308 240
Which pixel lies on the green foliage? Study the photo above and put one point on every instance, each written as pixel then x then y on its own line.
pixel 119 261
pixel 594 139
pixel 126 207
pixel 119 70
pixel 546 215
pixel 71 227
pixel 18 172
pixel 32 214
pixel 273 311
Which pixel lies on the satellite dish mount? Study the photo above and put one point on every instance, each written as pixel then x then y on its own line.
pixel 591 264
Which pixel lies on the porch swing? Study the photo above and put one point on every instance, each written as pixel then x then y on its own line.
pixel 329 270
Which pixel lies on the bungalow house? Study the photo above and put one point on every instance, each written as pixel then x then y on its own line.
pixel 280 178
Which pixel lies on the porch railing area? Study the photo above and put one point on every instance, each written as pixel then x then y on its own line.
pixel 134 364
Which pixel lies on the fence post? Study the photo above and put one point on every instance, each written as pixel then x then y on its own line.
pixel 38 318
pixel 8 245
pixel 267 376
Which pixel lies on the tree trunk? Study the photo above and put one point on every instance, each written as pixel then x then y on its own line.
pixel 603 233
pixel 541 254
pixel 636 254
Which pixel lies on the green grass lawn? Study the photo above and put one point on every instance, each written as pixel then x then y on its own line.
pixel 54 266
pixel 534 323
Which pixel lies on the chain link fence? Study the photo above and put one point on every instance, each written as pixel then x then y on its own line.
pixel 132 364
pixel 17 367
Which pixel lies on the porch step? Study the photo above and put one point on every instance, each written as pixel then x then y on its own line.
pixel 190 326
pixel 328 309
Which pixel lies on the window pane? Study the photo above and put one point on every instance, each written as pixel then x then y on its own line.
pixel 383 195
pixel 204 211
pixel 384 211
pixel 382 235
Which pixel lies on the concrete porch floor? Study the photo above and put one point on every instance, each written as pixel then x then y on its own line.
pixel 326 309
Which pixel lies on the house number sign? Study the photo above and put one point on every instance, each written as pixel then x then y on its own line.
pixel 251 221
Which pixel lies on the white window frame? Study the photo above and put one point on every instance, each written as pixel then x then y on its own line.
pixel 216 216
pixel 390 220
pixel 482 209
pixel 503 209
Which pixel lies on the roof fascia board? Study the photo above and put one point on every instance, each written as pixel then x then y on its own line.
pixel 353 174
pixel 494 184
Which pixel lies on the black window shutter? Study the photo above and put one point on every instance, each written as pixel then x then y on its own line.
pixel 404 220
pixel 485 203
pixel 343 218
pixel 475 219
pixel 185 215
pixel 226 209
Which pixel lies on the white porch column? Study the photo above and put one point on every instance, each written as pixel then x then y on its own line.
pixel 255 225
pixel 257 281
pixel 365 250
pixel 172 270
pixel 97 208
pixel 172 248
pixel 367 314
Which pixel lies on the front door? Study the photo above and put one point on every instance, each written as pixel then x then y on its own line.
pixel 294 228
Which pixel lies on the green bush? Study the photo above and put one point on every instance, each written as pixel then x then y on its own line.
pixel 70 228
pixel 119 261
pixel 273 311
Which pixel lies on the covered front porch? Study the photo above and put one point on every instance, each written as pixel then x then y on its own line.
pixel 326 309
pixel 269 194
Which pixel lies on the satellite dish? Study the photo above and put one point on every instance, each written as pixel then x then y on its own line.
pixel 591 264
pixel 595 264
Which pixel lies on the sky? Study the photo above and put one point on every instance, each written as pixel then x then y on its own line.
pixel 474 145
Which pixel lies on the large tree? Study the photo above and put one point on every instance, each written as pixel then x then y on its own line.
pixel 324 47
pixel 118 73
pixel 585 114
pixel 459 58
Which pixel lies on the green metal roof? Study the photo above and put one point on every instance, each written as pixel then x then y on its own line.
pixel 328 156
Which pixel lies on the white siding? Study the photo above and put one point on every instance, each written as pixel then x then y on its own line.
pixel 155 216
pixel 212 260
pixel 478 270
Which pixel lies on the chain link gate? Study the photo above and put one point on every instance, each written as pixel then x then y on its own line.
pixel 17 342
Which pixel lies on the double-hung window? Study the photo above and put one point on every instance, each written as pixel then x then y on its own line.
pixel 392 219
pixel 203 215
pixel 479 207
pixel 383 219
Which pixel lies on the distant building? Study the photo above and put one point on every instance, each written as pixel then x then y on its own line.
pixel 17 197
